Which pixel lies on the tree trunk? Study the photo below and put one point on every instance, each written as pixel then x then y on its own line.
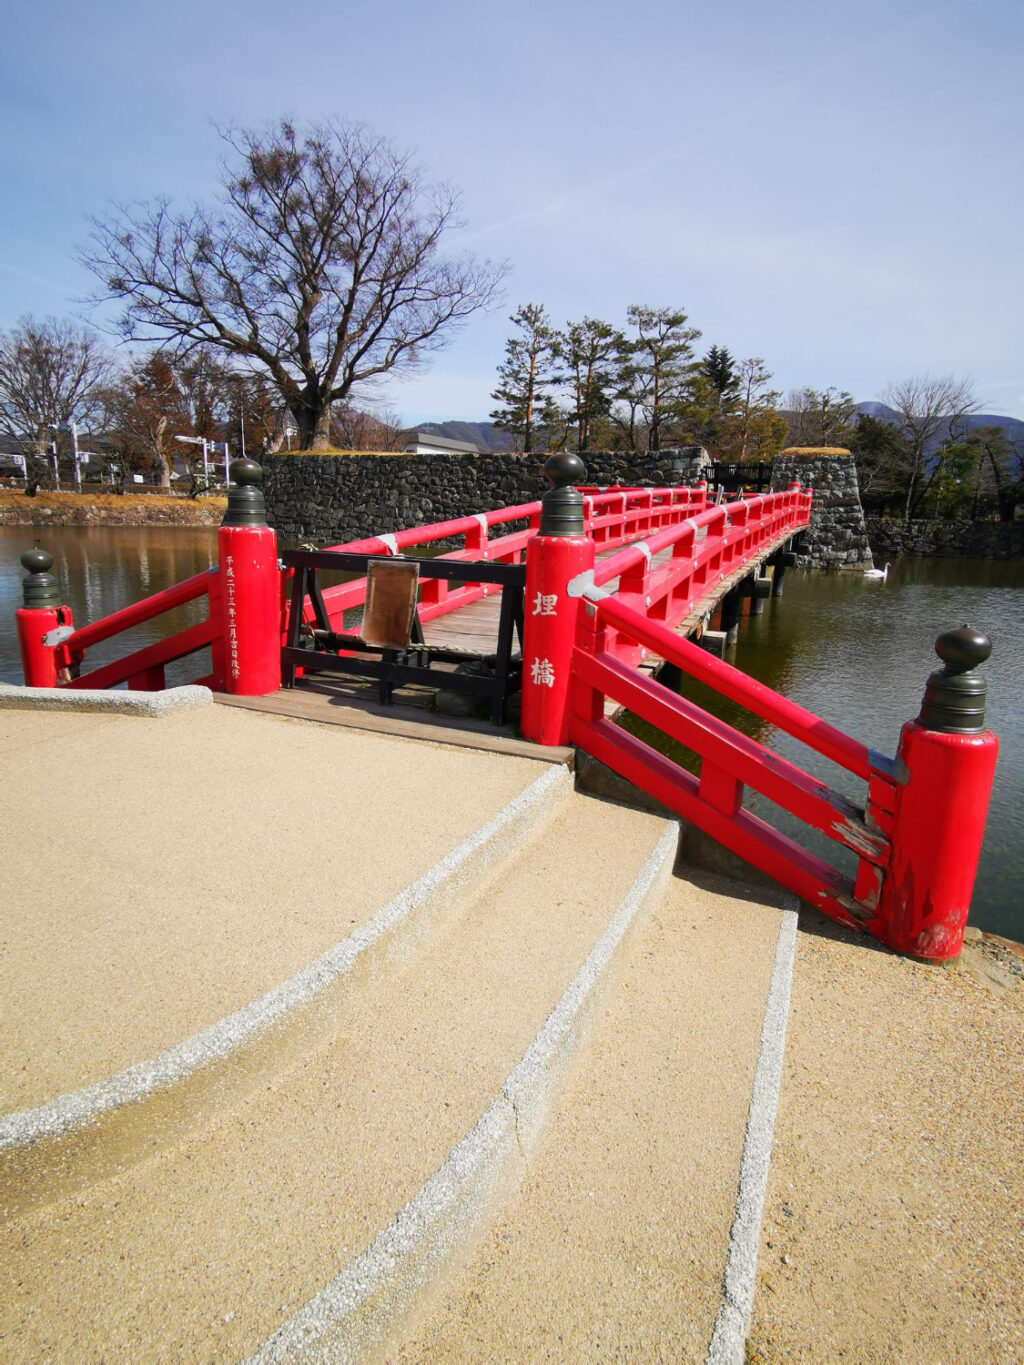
pixel 314 419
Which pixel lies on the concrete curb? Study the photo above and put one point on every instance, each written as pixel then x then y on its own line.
pixel 355 1314
pixel 408 912
pixel 728 1341
pixel 129 703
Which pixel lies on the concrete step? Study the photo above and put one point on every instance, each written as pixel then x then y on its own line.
pixel 52 1148
pixel 615 1246
pixel 370 1159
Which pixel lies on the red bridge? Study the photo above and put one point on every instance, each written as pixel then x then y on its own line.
pixel 568 605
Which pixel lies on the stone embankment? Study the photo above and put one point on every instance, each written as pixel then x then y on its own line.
pixel 335 498
pixel 107 509
pixel 946 539
pixel 837 536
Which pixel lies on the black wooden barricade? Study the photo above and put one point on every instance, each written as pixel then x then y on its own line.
pixel 735 477
pixel 317 650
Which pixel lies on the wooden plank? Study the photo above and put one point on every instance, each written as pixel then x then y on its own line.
pixel 328 705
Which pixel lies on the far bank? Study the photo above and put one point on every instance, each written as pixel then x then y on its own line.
pixel 107 509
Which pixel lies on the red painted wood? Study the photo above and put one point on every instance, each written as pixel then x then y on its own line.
pixel 250 622
pixel 163 652
pixel 755 841
pixel 938 825
pixel 796 720
pixel 39 662
pixel 144 610
pixel 728 750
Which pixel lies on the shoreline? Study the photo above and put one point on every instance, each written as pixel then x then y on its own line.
pixel 108 509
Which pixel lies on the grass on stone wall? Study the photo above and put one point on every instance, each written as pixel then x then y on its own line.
pixel 383 454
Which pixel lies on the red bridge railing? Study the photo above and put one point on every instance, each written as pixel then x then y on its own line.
pixel 916 837
pixel 144 668
pixel 612 518
pixel 668 555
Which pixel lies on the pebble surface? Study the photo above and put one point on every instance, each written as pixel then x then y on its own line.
pixel 893 1221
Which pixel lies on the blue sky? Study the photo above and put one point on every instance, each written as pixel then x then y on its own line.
pixel 835 187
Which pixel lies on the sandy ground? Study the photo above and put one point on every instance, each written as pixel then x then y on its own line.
pixel 615 1246
pixel 199 1253
pixel 895 1214
pixel 160 873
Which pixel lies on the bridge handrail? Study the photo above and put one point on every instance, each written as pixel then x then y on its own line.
pixel 789 716
pixel 768 512
pixel 144 668
pixel 612 509
pixel 730 760
pixel 139 612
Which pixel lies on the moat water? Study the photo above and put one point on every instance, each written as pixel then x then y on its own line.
pixel 855 651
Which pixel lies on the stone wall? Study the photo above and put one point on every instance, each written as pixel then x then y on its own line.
pixel 837 535
pixel 945 539
pixel 336 498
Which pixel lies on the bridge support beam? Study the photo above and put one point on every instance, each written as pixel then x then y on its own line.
pixel 558 553
pixel 732 607
pixel 757 589
pixel 251 588
pixel 780 562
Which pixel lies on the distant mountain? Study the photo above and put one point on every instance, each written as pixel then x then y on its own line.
pixel 1013 426
pixel 484 435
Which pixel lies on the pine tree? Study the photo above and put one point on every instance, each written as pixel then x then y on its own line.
pixel 662 354
pixel 525 375
pixel 589 353
pixel 757 428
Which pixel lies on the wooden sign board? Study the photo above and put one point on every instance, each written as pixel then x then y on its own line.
pixel 391 586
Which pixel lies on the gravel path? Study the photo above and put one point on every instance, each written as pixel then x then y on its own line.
pixel 893 1225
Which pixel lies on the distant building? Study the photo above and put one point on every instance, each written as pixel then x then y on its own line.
pixel 426 443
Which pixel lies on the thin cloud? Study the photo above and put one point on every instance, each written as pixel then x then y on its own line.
pixel 34 279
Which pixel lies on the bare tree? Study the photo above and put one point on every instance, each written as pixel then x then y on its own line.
pixel 367 428
pixel 144 413
pixel 322 266
pixel 927 410
pixel 52 373
pixel 819 417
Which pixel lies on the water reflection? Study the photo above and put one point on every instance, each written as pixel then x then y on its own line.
pixel 102 569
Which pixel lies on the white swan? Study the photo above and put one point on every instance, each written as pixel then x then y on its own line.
pixel 883 574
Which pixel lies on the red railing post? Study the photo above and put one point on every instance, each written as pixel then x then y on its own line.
pixel 251 588
pixel 41 615
pixel 947 760
pixel 557 554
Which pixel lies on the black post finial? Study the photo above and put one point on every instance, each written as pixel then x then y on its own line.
pixel 40 588
pixel 954 696
pixel 246 505
pixel 562 505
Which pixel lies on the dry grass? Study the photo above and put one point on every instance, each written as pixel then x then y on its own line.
pixel 813 452
pixel 15 497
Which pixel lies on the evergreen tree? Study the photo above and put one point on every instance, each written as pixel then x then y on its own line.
pixel 719 368
pixel 588 352
pixel 662 362
pixel 525 375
